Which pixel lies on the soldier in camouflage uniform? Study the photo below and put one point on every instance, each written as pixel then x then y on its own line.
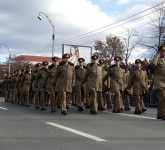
pixel 6 90
pixel 65 81
pixel 20 90
pixel 26 85
pixel 158 63
pixel 116 74
pixel 101 102
pixel 80 90
pixel 41 81
pixel 50 86
pixel 139 82
pixel 93 80
pixel 35 90
pixel 16 92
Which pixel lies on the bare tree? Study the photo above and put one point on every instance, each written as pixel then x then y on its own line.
pixel 157 24
pixel 113 46
pixel 131 40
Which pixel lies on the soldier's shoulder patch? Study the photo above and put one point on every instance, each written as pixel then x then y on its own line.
pixel 61 63
pixel 113 66
pixel 70 63
pixel 77 67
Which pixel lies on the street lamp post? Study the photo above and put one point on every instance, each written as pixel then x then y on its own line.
pixel 53 26
pixel 2 44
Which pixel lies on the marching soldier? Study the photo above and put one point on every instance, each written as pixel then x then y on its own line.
pixel 80 90
pixel 126 95
pixel 106 89
pixel 16 92
pixel 158 63
pixel 26 85
pixel 6 91
pixel 50 87
pixel 65 81
pixel 20 90
pixel 139 82
pixel 93 80
pixel 34 89
pixel 41 81
pixel 116 74
pixel 101 102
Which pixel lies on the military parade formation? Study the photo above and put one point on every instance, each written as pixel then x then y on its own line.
pixel 94 86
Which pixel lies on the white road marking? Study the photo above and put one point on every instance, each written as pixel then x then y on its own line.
pixel 76 132
pixel 131 115
pixel 3 108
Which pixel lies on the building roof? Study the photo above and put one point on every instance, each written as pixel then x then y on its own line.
pixel 3 66
pixel 34 58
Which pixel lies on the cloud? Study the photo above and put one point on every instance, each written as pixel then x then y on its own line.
pixel 20 29
pixel 123 1
pixel 25 34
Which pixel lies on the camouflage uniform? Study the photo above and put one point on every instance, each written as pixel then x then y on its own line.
pixel 139 82
pixel 158 62
pixel 80 90
pixel 50 86
pixel 26 85
pixel 116 74
pixel 65 81
pixel 93 80
pixel 35 90
pixel 41 81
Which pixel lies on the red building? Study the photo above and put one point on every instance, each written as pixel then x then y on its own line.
pixel 34 59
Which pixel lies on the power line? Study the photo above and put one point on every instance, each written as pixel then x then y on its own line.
pixel 116 22
pixel 124 23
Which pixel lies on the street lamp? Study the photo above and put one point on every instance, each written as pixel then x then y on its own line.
pixel 53 26
pixel 2 44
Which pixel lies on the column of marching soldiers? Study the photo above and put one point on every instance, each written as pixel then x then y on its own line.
pixel 95 86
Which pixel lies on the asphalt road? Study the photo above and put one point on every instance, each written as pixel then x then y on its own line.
pixel 24 128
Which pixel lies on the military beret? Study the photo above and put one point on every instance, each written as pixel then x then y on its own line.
pixel 66 55
pixel 38 64
pixel 137 61
pixel 45 63
pixel 94 57
pixel 101 61
pixel 54 58
pixel 161 47
pixel 81 59
pixel 117 58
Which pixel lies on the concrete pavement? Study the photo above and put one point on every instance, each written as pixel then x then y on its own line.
pixel 24 128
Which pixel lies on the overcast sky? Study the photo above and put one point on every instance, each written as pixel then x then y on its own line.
pixel 76 22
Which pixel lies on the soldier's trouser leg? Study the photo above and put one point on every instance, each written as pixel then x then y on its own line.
pixel 87 102
pixel 36 99
pixel 16 97
pixel 79 97
pixel 63 96
pixel 58 99
pixel 42 99
pixel 6 96
pixel 100 100
pixel 126 102
pixel 117 103
pixel 26 98
pixel 68 99
pixel 160 94
pixel 109 100
pixel 138 107
pixel 52 102
pixel 121 103
pixel 93 100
